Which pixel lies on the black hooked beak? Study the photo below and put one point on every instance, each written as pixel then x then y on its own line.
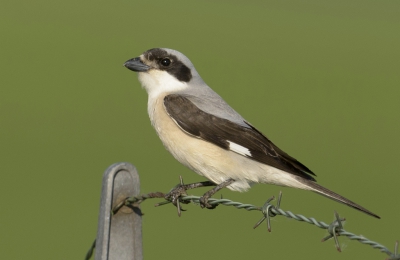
pixel 136 64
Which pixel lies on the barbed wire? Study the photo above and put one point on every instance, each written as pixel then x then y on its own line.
pixel 268 210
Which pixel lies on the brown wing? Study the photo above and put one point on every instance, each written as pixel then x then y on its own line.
pixel 221 132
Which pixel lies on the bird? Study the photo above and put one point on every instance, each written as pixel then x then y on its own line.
pixel 209 137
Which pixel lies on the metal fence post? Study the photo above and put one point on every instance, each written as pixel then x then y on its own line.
pixel 119 236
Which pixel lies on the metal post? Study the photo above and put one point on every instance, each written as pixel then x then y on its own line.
pixel 119 236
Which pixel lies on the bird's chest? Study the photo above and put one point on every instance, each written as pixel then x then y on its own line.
pixel 177 142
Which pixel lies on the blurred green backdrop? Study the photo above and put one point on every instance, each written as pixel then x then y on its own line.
pixel 325 75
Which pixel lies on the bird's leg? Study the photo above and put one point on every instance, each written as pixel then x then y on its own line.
pixel 181 189
pixel 204 200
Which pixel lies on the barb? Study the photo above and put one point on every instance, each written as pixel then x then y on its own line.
pixel 268 210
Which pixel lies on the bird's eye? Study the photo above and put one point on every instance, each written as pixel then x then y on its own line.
pixel 165 62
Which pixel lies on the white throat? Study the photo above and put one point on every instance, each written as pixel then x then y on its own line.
pixel 157 82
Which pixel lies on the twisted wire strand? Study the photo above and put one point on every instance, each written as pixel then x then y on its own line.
pixel 225 202
pixel 298 217
pixel 335 228
pixel 239 205
pixel 366 241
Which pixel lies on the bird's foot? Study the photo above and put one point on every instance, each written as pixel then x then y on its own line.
pixel 175 196
pixel 204 202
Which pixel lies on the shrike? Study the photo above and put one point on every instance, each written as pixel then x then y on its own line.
pixel 209 137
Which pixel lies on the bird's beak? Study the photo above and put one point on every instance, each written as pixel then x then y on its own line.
pixel 136 64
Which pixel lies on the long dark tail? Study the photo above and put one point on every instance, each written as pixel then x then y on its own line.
pixel 336 197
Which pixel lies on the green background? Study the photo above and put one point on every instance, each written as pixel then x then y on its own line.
pixel 319 78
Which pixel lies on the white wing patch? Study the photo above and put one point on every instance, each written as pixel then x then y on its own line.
pixel 239 149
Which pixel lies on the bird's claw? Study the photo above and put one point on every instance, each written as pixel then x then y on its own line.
pixel 204 202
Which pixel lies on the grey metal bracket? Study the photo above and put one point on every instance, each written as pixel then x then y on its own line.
pixel 119 236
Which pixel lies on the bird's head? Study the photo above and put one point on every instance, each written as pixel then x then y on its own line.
pixel 163 70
